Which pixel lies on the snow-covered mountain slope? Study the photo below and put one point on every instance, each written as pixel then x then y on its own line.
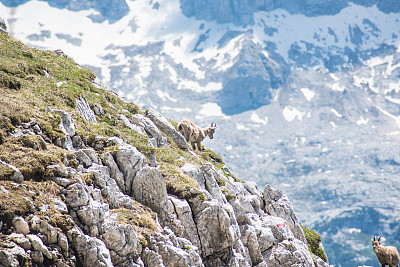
pixel 308 102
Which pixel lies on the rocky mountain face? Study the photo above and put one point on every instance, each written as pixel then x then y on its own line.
pixel 304 93
pixel 242 12
pixel 87 179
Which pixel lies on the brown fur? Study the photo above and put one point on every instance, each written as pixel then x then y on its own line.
pixel 386 255
pixel 194 134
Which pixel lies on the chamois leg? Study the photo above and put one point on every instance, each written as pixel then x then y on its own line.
pixel 193 146
pixel 199 145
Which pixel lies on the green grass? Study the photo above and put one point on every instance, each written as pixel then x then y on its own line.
pixel 314 241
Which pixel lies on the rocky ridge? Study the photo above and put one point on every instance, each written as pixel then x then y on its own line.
pixel 89 179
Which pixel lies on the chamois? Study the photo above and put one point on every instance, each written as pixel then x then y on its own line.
pixel 386 255
pixel 194 134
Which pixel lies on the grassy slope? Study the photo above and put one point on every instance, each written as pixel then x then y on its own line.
pixel 28 80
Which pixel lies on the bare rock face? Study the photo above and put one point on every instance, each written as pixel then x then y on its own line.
pixel 184 214
pixel 129 161
pixel 149 188
pixel 67 125
pixel 121 240
pixel 91 250
pixel 230 223
pixel 84 110
pixel 150 128
pixel 194 172
pixel 20 225
pixel 289 253
pixel 278 204
pixel 217 229
pixel 163 125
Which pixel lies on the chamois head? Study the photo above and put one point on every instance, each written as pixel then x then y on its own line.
pixel 376 243
pixel 211 130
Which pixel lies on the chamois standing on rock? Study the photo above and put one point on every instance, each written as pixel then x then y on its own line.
pixel 386 255
pixel 194 134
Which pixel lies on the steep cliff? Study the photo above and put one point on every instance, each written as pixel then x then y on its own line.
pixel 87 179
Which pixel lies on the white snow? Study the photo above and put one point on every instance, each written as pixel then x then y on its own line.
pixel 254 117
pixel 210 109
pixel 337 114
pixel 337 87
pixel 362 121
pixel 242 127
pixel 308 94
pixel 291 113
pixel 180 34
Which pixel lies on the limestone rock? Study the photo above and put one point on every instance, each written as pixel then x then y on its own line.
pixel 109 188
pixel 149 188
pixel 37 256
pixel 50 235
pixel 289 254
pixel 174 251
pixel 91 251
pixel 84 110
pixel 211 183
pixel 277 204
pixel 20 225
pixel 67 125
pixel 76 195
pixel 130 125
pixel 91 153
pixel 163 125
pixel 217 230
pixel 62 241
pixel 15 174
pixel 38 245
pixel 21 240
pixel 83 158
pixel 115 173
pixel 194 172
pixel 184 213
pixel 129 161
pixel 119 238
pixel 60 205
pixel 150 128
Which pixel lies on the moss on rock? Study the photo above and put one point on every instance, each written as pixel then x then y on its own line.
pixel 314 243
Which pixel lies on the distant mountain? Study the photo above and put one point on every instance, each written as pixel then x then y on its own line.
pixel 305 94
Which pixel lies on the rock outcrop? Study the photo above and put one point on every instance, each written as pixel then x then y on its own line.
pixel 132 198
pixel 233 224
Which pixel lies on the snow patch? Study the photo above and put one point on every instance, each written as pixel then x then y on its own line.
pixel 210 110
pixel 337 87
pixel 308 94
pixel 242 127
pixel 362 121
pixel 337 114
pixel 291 113
pixel 254 117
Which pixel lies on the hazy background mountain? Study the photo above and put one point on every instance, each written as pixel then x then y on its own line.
pixel 305 94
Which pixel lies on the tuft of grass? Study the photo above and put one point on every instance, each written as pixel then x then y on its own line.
pixel 228 195
pixel 314 241
pixel 142 218
pixel 23 199
pixel 178 183
pixel 31 162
